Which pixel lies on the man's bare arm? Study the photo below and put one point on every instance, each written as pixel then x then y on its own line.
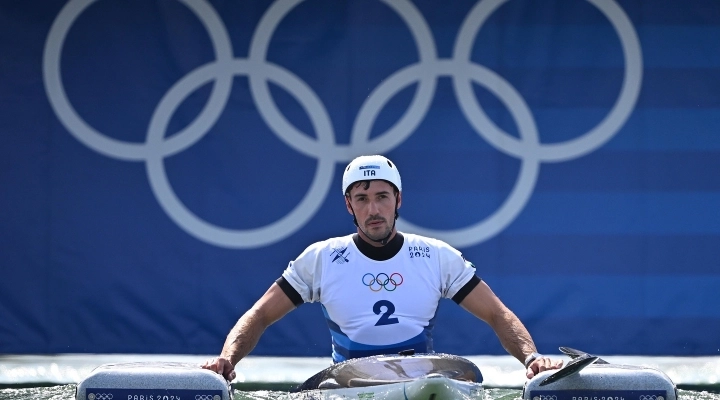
pixel 244 336
pixel 513 335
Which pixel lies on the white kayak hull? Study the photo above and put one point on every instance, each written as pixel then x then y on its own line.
pixel 407 377
pixel 425 388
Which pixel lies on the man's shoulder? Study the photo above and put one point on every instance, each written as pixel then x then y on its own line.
pixel 332 243
pixel 418 243
pixel 321 249
pixel 412 239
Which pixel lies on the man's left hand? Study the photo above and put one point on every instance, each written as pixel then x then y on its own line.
pixel 541 364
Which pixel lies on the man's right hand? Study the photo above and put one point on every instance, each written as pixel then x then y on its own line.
pixel 222 366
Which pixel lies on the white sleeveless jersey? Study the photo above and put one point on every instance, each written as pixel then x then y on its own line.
pixel 379 307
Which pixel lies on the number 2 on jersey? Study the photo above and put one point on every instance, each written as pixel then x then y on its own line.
pixel 385 317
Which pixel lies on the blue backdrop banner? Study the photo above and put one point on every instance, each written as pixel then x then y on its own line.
pixel 162 161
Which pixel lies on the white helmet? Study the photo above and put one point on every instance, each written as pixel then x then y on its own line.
pixel 366 168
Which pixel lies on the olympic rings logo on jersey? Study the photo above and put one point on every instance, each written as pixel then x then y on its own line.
pixel 526 146
pixel 382 281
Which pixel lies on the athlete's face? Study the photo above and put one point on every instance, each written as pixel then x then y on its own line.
pixel 374 207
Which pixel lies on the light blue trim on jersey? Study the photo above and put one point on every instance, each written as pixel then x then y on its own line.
pixel 344 348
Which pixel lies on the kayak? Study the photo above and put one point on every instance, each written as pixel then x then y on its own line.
pixel 390 377
pixel 429 387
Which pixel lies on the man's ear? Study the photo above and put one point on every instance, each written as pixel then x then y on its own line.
pixel 347 204
pixel 399 199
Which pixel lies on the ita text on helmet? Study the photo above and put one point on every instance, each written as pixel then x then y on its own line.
pixel 366 168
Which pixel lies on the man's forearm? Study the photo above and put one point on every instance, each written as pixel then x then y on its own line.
pixel 244 336
pixel 513 335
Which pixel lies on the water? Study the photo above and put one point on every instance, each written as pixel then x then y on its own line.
pixel 67 392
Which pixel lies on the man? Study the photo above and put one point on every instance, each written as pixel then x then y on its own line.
pixel 379 288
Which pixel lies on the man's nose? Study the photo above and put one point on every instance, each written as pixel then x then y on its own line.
pixel 374 207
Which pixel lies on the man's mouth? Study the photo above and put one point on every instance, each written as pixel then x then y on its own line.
pixel 375 222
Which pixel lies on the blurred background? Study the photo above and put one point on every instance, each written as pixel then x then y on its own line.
pixel 161 162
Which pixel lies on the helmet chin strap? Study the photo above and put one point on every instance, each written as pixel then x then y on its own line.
pixel 384 240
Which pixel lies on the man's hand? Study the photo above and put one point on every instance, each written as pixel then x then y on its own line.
pixel 540 364
pixel 222 366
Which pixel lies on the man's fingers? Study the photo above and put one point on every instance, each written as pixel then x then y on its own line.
pixel 529 373
pixel 541 364
pixel 544 364
pixel 208 364
pixel 220 366
pixel 228 371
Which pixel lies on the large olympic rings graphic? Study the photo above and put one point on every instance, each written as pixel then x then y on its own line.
pixel 382 281
pixel 322 146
